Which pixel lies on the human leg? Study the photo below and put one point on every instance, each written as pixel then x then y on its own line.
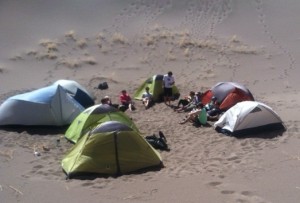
pixel 169 95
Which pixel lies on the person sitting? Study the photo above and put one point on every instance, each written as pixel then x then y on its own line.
pixel 186 100
pixel 193 115
pixel 212 104
pixel 196 100
pixel 108 101
pixel 199 115
pixel 104 101
pixel 213 110
pixel 147 98
pixel 126 101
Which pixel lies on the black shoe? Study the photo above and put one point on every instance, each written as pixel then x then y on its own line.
pixel 162 136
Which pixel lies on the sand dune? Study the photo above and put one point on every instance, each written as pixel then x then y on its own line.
pixel 123 43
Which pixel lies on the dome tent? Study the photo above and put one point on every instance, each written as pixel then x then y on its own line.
pixel 248 117
pixel 155 84
pixel 77 91
pixel 227 94
pixel 112 148
pixel 50 106
pixel 93 116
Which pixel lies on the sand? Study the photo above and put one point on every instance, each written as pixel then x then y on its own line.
pixel 122 43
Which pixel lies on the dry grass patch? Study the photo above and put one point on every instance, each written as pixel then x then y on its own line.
pixel 100 36
pixel 31 53
pixel 187 52
pixel 49 45
pixel 89 60
pixel 244 49
pixel 8 153
pixel 43 56
pixel 81 43
pixel 71 35
pixel 119 38
pixel 69 62
pixel 185 42
pixel 210 44
pixel 149 40
pixel 234 39
pixel 16 58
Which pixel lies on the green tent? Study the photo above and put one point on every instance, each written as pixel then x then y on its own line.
pixel 91 117
pixel 155 83
pixel 112 148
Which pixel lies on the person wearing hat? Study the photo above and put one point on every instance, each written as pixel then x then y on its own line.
pixel 168 83
pixel 108 101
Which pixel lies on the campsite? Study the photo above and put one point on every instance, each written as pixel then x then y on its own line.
pixel 60 59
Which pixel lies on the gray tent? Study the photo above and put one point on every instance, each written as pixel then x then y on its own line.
pixel 50 105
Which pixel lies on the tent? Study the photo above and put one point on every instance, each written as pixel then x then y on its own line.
pixel 112 148
pixel 77 91
pixel 248 117
pixel 93 116
pixel 227 94
pixel 155 83
pixel 50 105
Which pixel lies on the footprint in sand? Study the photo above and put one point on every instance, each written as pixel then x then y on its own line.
pixel 283 50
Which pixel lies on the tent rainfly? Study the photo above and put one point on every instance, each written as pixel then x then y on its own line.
pixel 112 148
pixel 77 91
pixel 227 94
pixel 51 106
pixel 93 116
pixel 248 117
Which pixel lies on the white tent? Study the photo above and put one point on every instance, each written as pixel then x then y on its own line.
pixel 50 105
pixel 248 116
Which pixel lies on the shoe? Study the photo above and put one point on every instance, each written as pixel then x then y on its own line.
pixel 162 136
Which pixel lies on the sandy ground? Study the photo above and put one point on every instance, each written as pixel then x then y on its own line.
pixel 123 42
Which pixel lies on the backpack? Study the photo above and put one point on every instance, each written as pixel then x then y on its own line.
pixel 103 86
pixel 158 142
